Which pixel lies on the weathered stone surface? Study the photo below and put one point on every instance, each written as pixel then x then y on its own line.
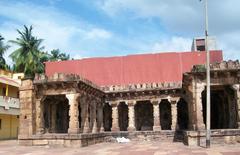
pixel 73 113
pixel 51 105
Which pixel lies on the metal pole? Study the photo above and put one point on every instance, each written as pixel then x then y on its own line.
pixel 208 106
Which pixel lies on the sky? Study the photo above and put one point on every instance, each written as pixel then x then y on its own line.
pixel 100 28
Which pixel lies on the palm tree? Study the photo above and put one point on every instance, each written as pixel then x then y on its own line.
pixel 3 48
pixel 28 57
pixel 56 55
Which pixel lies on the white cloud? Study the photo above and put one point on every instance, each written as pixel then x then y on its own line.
pixel 185 18
pixel 179 15
pixel 58 29
pixel 182 20
pixel 173 44
pixel 98 34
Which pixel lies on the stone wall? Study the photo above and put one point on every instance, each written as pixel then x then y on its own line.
pixel 225 136
pixel 82 140
pixel 27 110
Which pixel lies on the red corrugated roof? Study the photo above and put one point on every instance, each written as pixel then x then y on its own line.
pixel 133 69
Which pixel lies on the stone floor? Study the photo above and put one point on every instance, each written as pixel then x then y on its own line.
pixel 132 148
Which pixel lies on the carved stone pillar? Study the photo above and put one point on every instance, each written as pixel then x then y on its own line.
pixel 115 123
pixel 53 117
pixel 94 130
pixel 86 118
pixel 236 88
pixel 73 113
pixel 131 116
pixel 101 117
pixel 174 114
pixel 197 107
pixel 39 116
pixel 156 115
pixel 99 106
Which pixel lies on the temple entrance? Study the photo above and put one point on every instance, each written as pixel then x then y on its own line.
pixel 143 116
pixel 107 117
pixel 123 116
pixel 165 115
pixel 223 108
pixel 182 114
pixel 56 114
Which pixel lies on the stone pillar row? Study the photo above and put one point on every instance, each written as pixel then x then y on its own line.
pixel 93 121
pixel 89 120
pixel 156 115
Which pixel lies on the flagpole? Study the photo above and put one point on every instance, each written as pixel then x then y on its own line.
pixel 208 106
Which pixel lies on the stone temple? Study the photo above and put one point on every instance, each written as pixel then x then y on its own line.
pixel 159 96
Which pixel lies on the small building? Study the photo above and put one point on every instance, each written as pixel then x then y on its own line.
pixel 9 104
pixel 198 43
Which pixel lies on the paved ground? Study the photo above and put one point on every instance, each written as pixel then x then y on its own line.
pixel 132 148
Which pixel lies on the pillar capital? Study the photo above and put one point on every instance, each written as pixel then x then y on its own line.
pixel 131 102
pixel 155 101
pixel 72 96
pixel 174 100
pixel 236 87
pixel 113 103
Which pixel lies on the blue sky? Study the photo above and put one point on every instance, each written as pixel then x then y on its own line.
pixel 96 28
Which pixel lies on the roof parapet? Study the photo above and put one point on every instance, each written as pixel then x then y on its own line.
pixel 61 77
pixel 224 65
pixel 142 86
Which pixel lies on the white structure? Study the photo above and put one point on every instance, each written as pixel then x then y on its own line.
pixel 199 43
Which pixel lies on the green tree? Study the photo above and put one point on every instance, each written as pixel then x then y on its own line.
pixel 56 55
pixel 28 58
pixel 3 49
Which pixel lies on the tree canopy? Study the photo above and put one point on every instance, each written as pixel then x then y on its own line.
pixel 56 55
pixel 29 57
pixel 3 49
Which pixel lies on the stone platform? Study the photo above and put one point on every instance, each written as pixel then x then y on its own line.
pixel 81 140
pixel 191 138
pixel 218 136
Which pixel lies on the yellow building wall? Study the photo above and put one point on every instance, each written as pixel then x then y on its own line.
pixel 6 73
pixel 9 126
pixel 12 91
